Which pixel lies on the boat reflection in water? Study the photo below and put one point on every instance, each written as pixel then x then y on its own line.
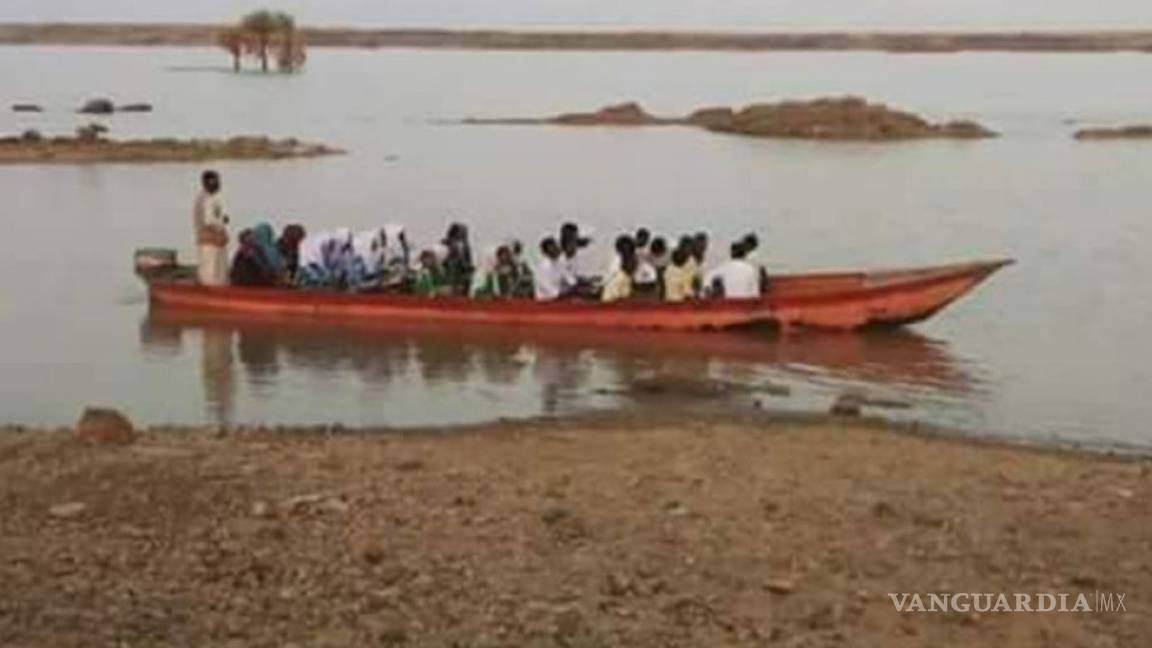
pixel 429 375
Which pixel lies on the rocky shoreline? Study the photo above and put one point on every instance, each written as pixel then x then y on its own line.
pixel 622 530
pixel 205 35
pixel 830 118
pixel 89 146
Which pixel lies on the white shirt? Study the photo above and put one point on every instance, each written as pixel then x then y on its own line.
pixel 552 278
pixel 576 264
pixel 741 280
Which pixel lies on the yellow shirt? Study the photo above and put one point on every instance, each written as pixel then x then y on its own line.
pixel 692 267
pixel 678 282
pixel 619 286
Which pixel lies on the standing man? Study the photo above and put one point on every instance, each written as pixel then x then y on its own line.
pixel 211 226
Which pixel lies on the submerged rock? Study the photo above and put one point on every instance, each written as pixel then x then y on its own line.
pixel 99 106
pixel 846 118
pixel 1121 132
pixel 712 117
pixel 27 108
pixel 625 114
pixel 89 146
pixel 135 107
pixel 835 118
pixel 104 426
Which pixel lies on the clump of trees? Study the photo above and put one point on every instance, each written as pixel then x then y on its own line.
pixel 269 37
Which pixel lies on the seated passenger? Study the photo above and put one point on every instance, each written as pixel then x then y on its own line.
pixel 646 279
pixel 264 238
pixel 625 246
pixel 431 280
pixel 642 238
pixel 552 279
pixel 289 247
pixel 397 253
pixel 571 243
pixel 324 259
pixel 659 259
pixel 679 278
pixel 619 284
pixel 658 254
pixel 525 287
pixel 736 278
pixel 752 244
pixel 367 268
pixel 456 259
pixel 249 267
pixel 498 276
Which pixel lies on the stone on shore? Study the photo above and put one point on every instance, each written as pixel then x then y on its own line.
pixel 103 426
pixel 847 405
pixel 68 511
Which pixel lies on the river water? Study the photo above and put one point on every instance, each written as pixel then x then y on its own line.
pixel 683 14
pixel 1053 348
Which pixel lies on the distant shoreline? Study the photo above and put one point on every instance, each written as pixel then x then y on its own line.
pixel 197 35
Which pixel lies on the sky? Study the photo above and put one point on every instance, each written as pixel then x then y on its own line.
pixel 725 14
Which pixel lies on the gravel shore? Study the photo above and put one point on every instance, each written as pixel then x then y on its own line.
pixel 621 531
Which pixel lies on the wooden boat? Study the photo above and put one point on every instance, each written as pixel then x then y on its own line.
pixel 842 301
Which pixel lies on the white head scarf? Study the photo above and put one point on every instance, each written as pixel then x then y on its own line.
pixel 340 254
pixel 394 250
pixel 368 248
pixel 313 249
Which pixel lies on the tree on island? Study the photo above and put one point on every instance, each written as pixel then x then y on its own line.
pixel 262 35
pixel 232 40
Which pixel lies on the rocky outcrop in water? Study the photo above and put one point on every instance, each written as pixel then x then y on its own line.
pixel 625 114
pixel 848 118
pixel 135 108
pixel 89 146
pixel 27 108
pixel 98 106
pixel 102 106
pixel 1120 132
pixel 840 118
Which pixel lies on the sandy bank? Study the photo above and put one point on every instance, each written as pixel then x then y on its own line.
pixel 141 34
pixel 616 532
pixel 34 149
pixel 829 118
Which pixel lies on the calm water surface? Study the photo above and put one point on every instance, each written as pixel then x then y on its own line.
pixel 726 14
pixel 1053 348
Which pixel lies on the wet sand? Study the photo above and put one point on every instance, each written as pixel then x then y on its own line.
pixel 143 34
pixel 599 531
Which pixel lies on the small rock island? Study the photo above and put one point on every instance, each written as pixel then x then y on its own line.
pixel 1142 131
pixel 836 118
pixel 89 145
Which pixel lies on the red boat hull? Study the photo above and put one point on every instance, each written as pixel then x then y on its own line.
pixel 841 301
